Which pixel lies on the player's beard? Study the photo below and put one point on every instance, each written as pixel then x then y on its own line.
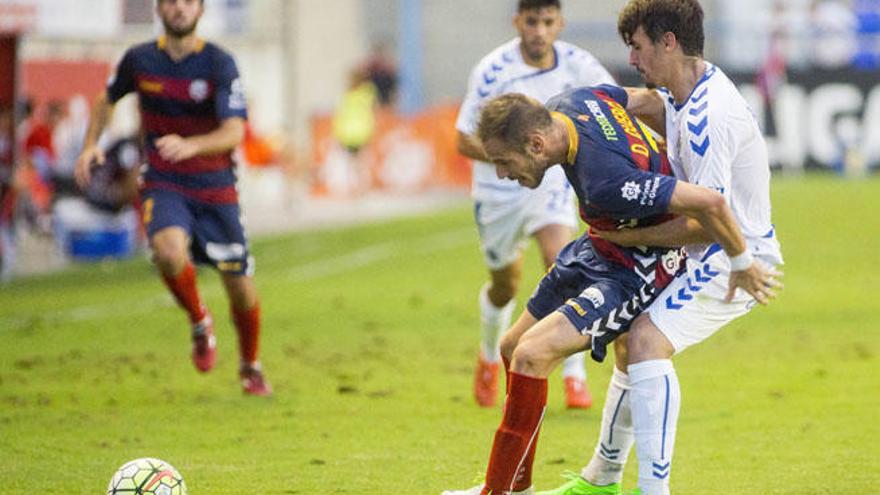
pixel 179 32
pixel 536 52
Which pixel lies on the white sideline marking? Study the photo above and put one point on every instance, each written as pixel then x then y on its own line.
pixel 314 270
pixel 372 254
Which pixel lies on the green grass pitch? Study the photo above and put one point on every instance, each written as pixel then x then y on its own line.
pixel 370 335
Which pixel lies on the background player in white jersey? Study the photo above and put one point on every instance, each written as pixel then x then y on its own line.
pixel 713 140
pixel 538 65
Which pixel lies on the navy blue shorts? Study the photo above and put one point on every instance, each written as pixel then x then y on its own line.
pixel 215 230
pixel 600 298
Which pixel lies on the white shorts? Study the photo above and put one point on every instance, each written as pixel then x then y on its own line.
pixel 692 307
pixel 504 225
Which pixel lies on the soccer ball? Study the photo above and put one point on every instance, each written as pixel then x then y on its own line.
pixel 147 476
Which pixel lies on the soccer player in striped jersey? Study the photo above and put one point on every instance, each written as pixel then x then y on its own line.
pixel 595 289
pixel 536 64
pixel 193 112
pixel 713 141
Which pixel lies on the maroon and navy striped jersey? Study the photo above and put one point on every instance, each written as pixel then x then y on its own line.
pixel 187 97
pixel 620 175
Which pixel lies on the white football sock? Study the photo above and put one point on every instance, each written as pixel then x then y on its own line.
pixel 573 366
pixel 616 436
pixel 655 401
pixel 494 321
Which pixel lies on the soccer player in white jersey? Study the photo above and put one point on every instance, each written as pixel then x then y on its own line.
pixel 538 65
pixel 713 140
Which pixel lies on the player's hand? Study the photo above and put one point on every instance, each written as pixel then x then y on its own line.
pixel 760 282
pixel 622 237
pixel 174 148
pixel 90 156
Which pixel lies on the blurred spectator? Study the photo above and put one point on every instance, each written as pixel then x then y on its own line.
pixel 39 145
pixel 354 124
pixel 382 72
pixel 787 32
pixel 67 138
pixel 40 158
pixel 771 75
pixel 24 110
pixel 7 145
pixel 354 121
pixel 7 193
pixel 868 16
pixel 832 34
pixel 258 150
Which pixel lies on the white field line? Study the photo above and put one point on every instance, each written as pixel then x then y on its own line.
pixel 313 270
pixel 377 252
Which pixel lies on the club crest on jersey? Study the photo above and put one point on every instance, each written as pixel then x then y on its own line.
pixel 631 191
pixel 198 90
pixel 237 98
pixel 671 261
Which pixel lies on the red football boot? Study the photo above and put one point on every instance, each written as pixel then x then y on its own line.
pixel 204 349
pixel 577 395
pixel 252 380
pixel 486 382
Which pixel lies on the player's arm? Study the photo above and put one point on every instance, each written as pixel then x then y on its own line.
pixel 478 91
pixel 648 106
pixel 679 231
pixel 471 147
pixel 102 112
pixel 225 138
pixel 710 209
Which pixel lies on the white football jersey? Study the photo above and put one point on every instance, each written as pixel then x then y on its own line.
pixel 504 71
pixel 713 140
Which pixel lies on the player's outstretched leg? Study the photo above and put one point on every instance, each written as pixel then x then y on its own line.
pixel 179 274
pixel 537 353
pixel 493 321
pixel 574 376
pixel 510 463
pixel 245 309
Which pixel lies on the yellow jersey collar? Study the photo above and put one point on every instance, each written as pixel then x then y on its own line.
pixel 162 42
pixel 572 136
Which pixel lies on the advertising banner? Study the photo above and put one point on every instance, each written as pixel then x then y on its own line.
pixel 406 154
pixel 814 119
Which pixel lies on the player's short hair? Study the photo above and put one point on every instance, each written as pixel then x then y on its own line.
pixel 537 4
pixel 683 18
pixel 160 1
pixel 510 118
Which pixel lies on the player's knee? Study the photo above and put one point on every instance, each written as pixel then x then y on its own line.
pixel 168 256
pixel 530 357
pixel 502 292
pixel 508 345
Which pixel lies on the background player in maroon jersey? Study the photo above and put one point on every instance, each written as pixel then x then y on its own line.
pixel 193 112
